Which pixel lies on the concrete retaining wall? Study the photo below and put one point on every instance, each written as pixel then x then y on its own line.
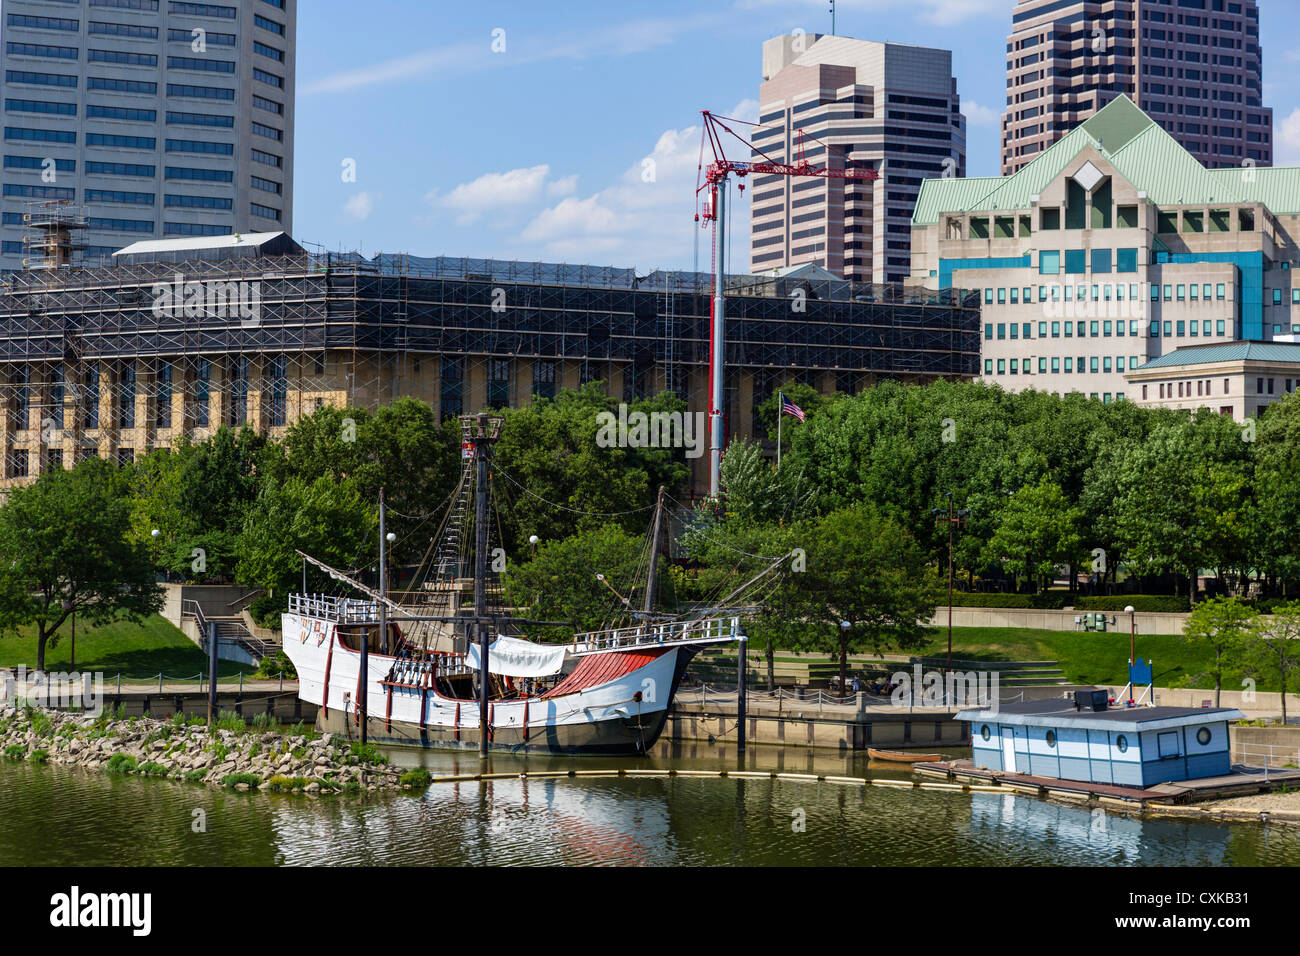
pixel 1148 622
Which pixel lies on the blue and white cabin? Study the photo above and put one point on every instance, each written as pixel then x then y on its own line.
pixel 1129 747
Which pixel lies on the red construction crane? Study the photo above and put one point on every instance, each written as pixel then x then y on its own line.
pixel 714 179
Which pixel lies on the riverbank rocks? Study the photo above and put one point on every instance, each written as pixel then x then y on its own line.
pixel 256 759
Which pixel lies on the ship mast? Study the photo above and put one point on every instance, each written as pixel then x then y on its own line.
pixel 482 432
pixel 654 557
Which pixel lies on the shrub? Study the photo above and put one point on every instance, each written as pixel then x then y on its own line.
pixel 42 723
pixel 153 769
pixel 194 776
pixel 1140 602
pixel 415 779
pixel 266 611
pixel 15 751
pixel 39 756
pixel 367 753
pixel 122 763
pixel 1050 601
pixel 229 720
pixel 220 751
pixel 280 782
pixel 272 666
pixel 233 780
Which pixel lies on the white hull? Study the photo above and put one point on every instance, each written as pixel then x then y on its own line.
pixel 624 713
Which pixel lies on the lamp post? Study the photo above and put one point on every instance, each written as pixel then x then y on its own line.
pixel 952 518
pixel 844 653
pixel 1130 610
pixel 72 653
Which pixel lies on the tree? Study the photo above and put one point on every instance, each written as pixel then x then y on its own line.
pixel 195 494
pixel 756 492
pixel 400 447
pixel 557 474
pixel 1225 624
pixel 1038 531
pixel 66 547
pixel 866 570
pixel 560 584
pixel 326 519
pixel 1273 647
pixel 728 553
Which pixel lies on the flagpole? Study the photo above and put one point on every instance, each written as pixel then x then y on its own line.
pixel 779 416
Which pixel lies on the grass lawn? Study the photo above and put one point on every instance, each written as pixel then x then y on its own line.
pixel 1087 657
pixel 134 650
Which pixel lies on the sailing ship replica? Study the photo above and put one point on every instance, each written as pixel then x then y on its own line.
pixel 425 672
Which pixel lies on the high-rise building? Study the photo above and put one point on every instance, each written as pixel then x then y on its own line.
pixel 1195 66
pixel 882 106
pixel 150 118
pixel 1114 248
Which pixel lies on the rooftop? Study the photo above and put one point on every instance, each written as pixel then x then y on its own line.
pixel 1061 712
pixel 1226 352
pixel 1140 150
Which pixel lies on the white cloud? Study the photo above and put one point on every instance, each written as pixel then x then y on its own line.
pixel 360 205
pixel 497 192
pixel 521 49
pixel 646 217
pixel 977 115
pixel 1289 140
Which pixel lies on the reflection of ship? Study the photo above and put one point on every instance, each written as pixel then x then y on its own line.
pixel 602 692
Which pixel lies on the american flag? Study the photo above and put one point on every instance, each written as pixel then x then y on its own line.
pixel 790 408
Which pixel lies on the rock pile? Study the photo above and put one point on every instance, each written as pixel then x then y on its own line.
pixel 299 763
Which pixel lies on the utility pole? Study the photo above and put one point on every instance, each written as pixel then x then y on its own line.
pixel 212 672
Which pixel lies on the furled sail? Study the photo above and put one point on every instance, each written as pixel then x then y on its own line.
pixel 511 657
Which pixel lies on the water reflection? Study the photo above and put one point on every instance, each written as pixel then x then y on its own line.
pixel 61 815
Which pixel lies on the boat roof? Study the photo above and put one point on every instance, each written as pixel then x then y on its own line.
pixel 1061 712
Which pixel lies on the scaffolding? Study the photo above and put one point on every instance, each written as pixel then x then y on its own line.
pixel 51 236
pixel 148 342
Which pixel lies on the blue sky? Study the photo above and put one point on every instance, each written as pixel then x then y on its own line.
pixel 577 138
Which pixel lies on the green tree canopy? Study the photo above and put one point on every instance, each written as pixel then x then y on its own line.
pixel 327 519
pixel 66 546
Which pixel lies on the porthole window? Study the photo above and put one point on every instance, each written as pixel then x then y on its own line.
pixel 985 733
pixel 1051 738
pixel 1122 743
pixel 1203 736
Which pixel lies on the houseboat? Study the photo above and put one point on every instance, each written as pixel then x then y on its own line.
pixel 1085 739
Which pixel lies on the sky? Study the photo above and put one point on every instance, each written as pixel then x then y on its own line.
pixel 569 131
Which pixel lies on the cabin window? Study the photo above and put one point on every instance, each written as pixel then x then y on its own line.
pixel 985 733
pixel 1051 738
pixel 1122 743
pixel 1203 736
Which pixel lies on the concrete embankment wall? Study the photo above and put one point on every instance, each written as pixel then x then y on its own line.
pixel 1148 622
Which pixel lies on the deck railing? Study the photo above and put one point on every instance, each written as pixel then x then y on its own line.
pixel 650 635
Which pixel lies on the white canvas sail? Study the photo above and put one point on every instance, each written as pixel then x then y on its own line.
pixel 511 657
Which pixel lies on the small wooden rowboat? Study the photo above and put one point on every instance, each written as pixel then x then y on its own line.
pixel 899 756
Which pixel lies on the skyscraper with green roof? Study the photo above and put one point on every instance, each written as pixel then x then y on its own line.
pixel 1113 247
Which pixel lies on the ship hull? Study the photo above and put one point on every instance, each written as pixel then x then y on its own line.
pixel 622 716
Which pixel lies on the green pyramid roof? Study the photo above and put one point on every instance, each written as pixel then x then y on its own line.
pixel 1139 149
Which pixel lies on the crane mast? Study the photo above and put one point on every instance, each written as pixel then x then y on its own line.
pixel 716 177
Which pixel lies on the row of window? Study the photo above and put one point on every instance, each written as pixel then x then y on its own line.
pixel 69 81
pixel 22 134
pixel 1104 292
pixel 1052 262
pixel 1086 364
pixel 1104 328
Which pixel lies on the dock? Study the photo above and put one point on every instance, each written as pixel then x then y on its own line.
pixel 1242 781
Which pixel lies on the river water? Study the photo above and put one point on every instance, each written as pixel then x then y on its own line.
pixel 66 816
